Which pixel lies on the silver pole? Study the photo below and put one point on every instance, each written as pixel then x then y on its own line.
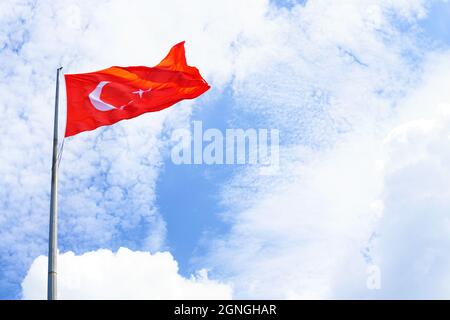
pixel 53 230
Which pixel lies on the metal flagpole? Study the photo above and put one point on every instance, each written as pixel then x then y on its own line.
pixel 53 230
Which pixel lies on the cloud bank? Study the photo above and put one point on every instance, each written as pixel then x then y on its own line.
pixel 360 184
pixel 124 274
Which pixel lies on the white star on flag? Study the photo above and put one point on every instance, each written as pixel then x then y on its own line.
pixel 140 92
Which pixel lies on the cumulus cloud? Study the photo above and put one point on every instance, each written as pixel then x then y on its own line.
pixel 346 198
pixel 414 229
pixel 124 274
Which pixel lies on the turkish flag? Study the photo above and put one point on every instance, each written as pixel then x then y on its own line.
pixel 105 97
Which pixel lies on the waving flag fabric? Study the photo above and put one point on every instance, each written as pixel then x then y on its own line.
pixel 105 97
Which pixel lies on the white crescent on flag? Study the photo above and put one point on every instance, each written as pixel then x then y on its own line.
pixel 98 104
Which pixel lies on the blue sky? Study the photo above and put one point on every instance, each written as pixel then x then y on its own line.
pixel 189 194
pixel 436 26
pixel 345 85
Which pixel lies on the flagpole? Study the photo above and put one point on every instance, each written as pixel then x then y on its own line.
pixel 53 228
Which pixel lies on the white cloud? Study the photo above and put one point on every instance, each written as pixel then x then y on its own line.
pixel 414 230
pixel 125 274
pixel 335 209
pixel 107 177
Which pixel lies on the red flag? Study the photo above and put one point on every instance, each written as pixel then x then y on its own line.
pixel 105 97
